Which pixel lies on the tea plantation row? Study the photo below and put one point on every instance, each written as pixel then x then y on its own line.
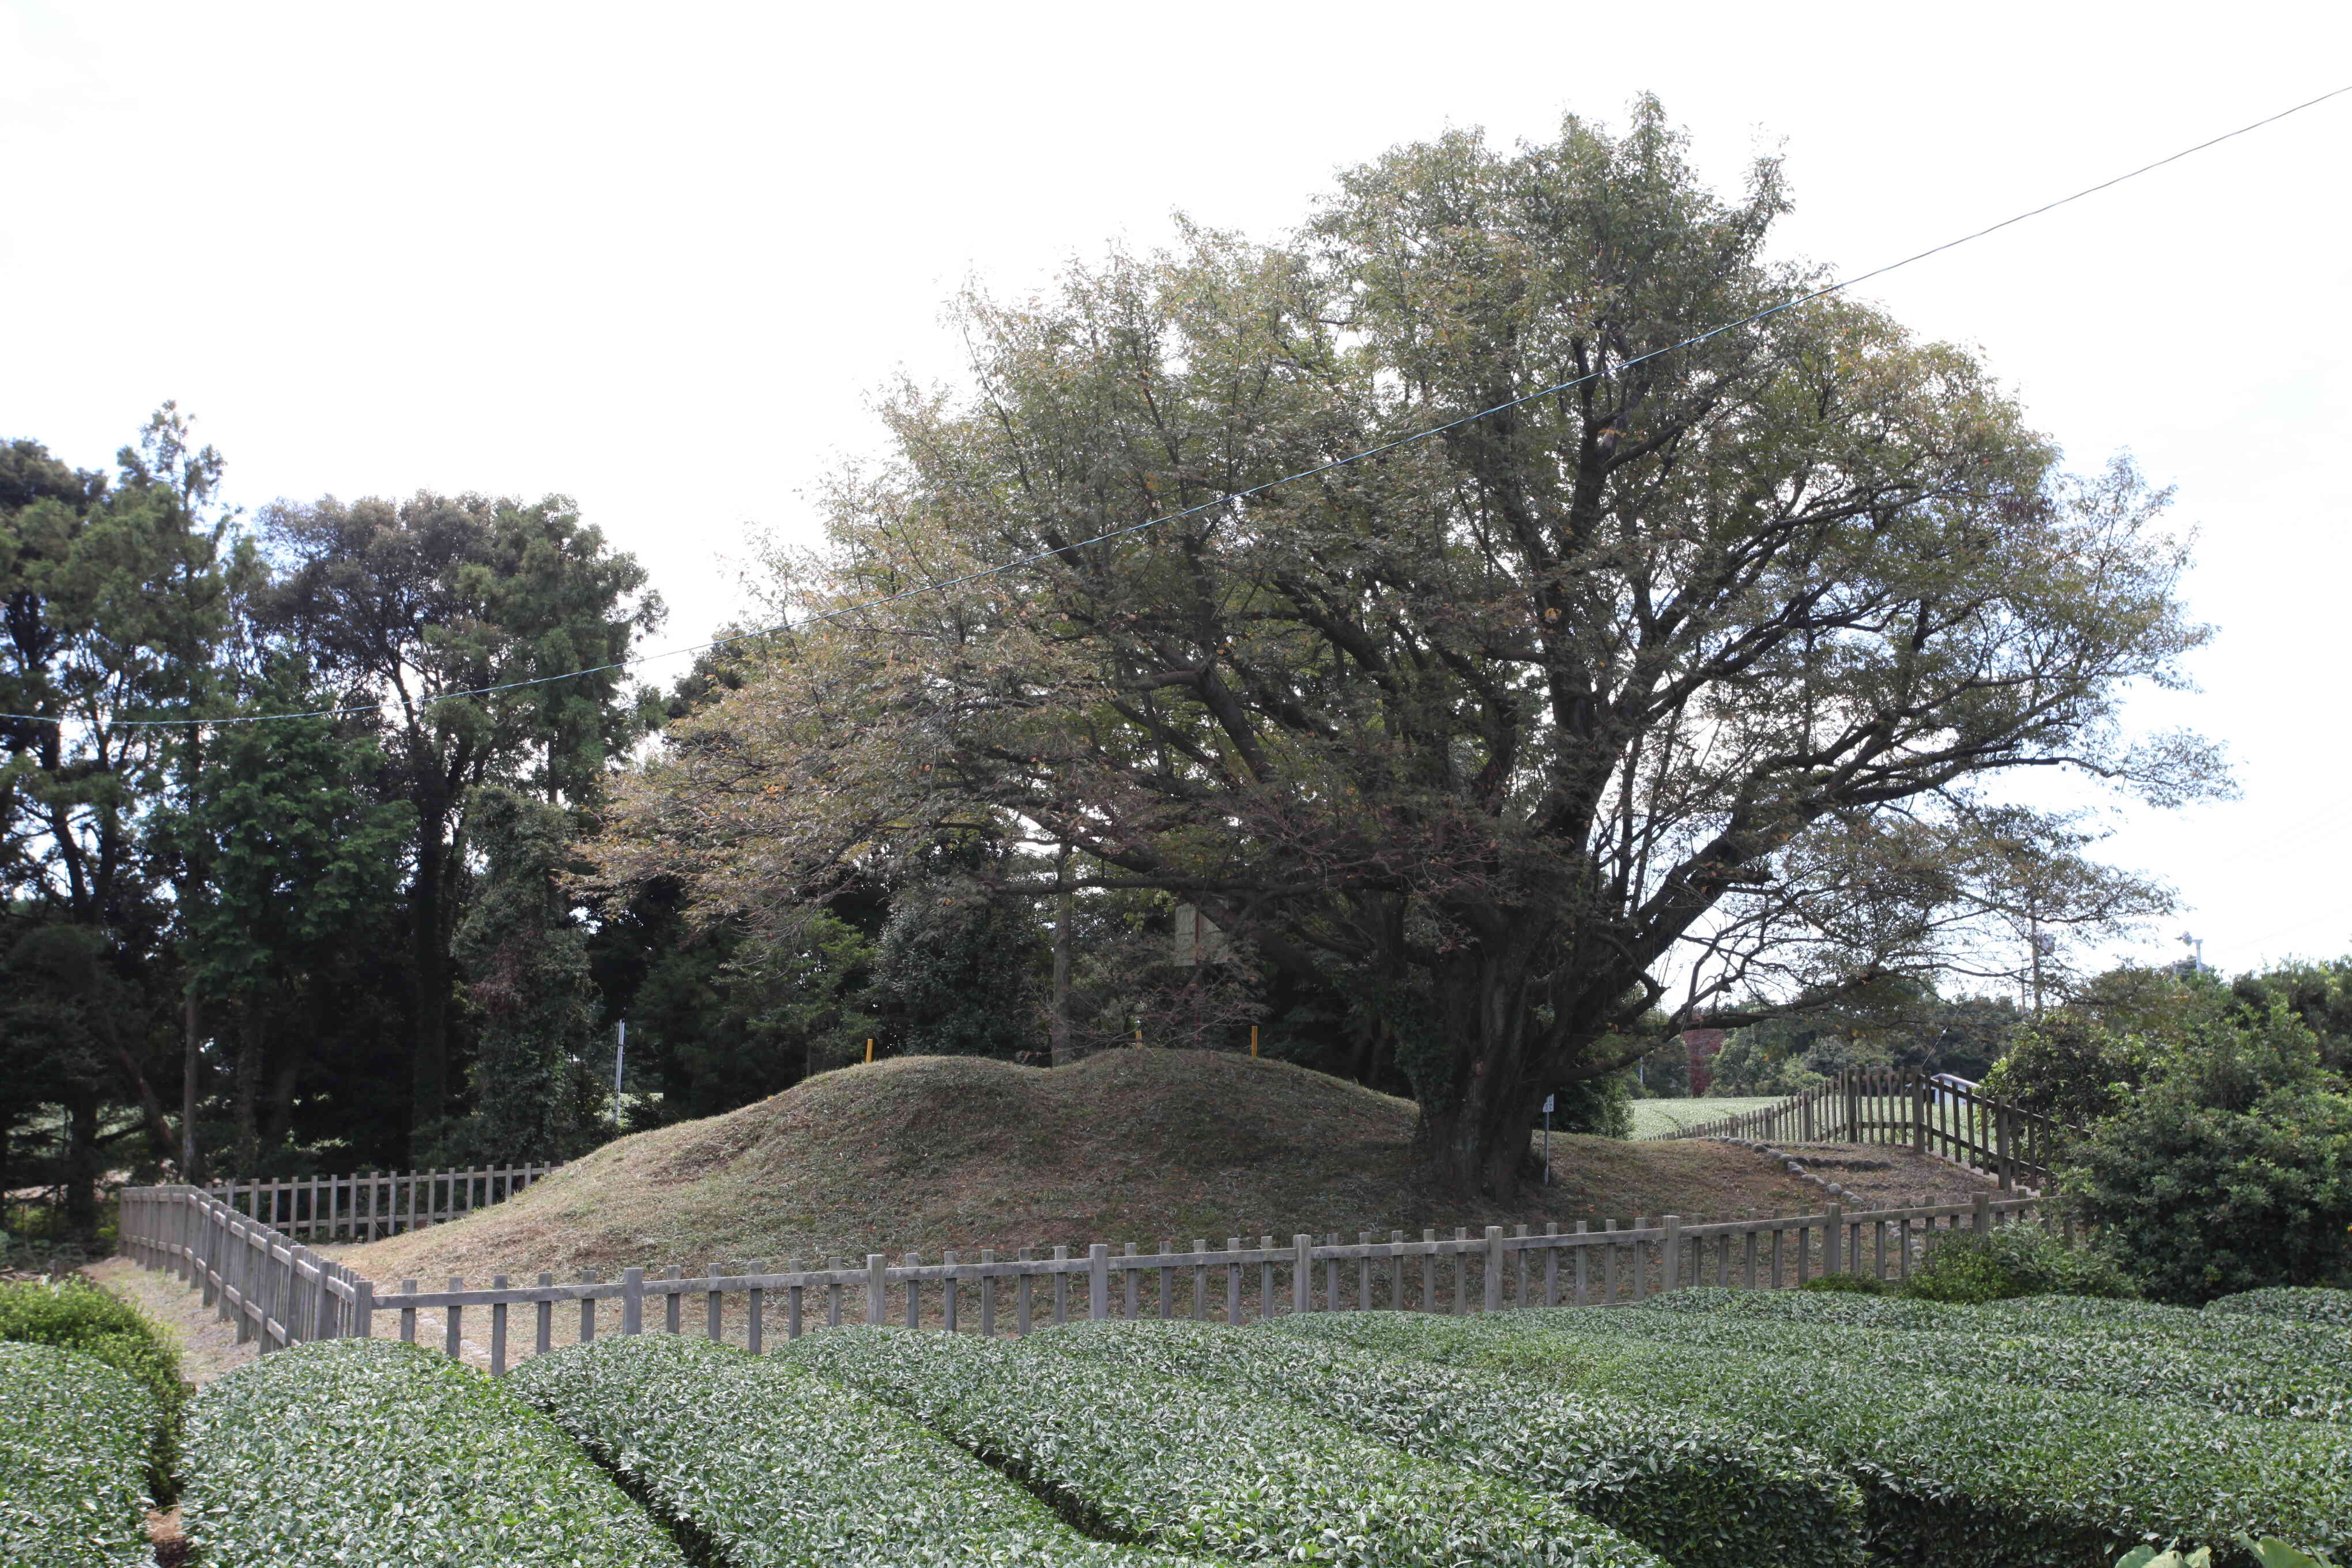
pixel 1704 1429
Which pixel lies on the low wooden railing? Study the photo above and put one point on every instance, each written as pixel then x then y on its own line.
pixel 1964 1125
pixel 367 1205
pixel 278 1292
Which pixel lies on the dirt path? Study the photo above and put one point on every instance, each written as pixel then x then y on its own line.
pixel 208 1347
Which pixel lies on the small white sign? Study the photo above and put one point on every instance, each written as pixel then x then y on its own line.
pixel 1548 1100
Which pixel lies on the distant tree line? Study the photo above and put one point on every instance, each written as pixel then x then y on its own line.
pixel 358 938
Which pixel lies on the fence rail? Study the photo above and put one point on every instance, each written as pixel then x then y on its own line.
pixel 281 1292
pixel 1933 1116
pixel 368 1205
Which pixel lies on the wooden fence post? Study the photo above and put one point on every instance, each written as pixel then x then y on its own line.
pixel 1494 1302
pixel 1981 1212
pixel 1302 1273
pixel 362 1309
pixel 1098 1279
pixel 877 1310
pixel 1670 1254
pixel 633 1302
pixel 498 1328
pixel 1834 1239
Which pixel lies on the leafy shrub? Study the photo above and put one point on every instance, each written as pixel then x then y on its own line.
pixel 372 1451
pixel 2013 1348
pixel 1844 1284
pixel 76 1437
pixel 1188 1468
pixel 74 1314
pixel 2304 1304
pixel 1702 1494
pixel 757 1461
pixel 2010 1260
pixel 2203 1200
pixel 1957 1472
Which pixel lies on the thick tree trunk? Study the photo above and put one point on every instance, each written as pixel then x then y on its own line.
pixel 1473 1132
pixel 429 973
pixel 81 1163
pixel 191 1168
pixel 248 1095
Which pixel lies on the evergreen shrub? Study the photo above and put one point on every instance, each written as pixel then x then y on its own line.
pixel 1969 1267
pixel 377 1452
pixel 76 1439
pixel 74 1314
pixel 2012 1348
pixel 2302 1304
pixel 755 1461
pixel 1178 1464
pixel 1956 1471
pixel 1702 1493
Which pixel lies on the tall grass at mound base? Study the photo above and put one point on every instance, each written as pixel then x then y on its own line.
pixel 758 1463
pixel 1702 1493
pixel 1187 1467
pixel 376 1453
pixel 1957 1472
pixel 75 1441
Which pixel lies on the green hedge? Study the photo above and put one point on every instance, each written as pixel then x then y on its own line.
pixel 74 1314
pixel 755 1461
pixel 2010 1348
pixel 1702 1493
pixel 75 1441
pixel 2296 1303
pixel 375 1452
pixel 1179 1465
pixel 1956 1471
pixel 2310 1352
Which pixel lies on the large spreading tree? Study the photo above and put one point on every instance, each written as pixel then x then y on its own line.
pixel 1677 680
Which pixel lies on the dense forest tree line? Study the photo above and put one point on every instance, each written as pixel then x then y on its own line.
pixel 293 819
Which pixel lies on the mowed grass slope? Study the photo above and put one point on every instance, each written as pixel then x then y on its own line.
pixel 1664 1118
pixel 927 1152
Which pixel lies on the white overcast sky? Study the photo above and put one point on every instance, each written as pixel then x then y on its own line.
pixel 659 258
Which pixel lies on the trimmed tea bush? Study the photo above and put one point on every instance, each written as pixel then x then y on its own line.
pixel 1970 1268
pixel 372 1451
pixel 757 1462
pixel 76 1315
pixel 2012 1348
pixel 1178 1464
pixel 75 1440
pixel 1956 1471
pixel 2296 1303
pixel 1702 1493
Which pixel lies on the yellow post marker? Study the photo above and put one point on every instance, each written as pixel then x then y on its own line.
pixel 869 1053
pixel 1253 1039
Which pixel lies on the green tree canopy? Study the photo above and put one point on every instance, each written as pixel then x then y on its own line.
pixel 1679 684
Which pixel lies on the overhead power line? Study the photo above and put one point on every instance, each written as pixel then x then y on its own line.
pixel 1230 497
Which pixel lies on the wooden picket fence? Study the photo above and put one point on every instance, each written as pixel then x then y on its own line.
pixel 278 1292
pixel 372 1204
pixel 1895 1108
